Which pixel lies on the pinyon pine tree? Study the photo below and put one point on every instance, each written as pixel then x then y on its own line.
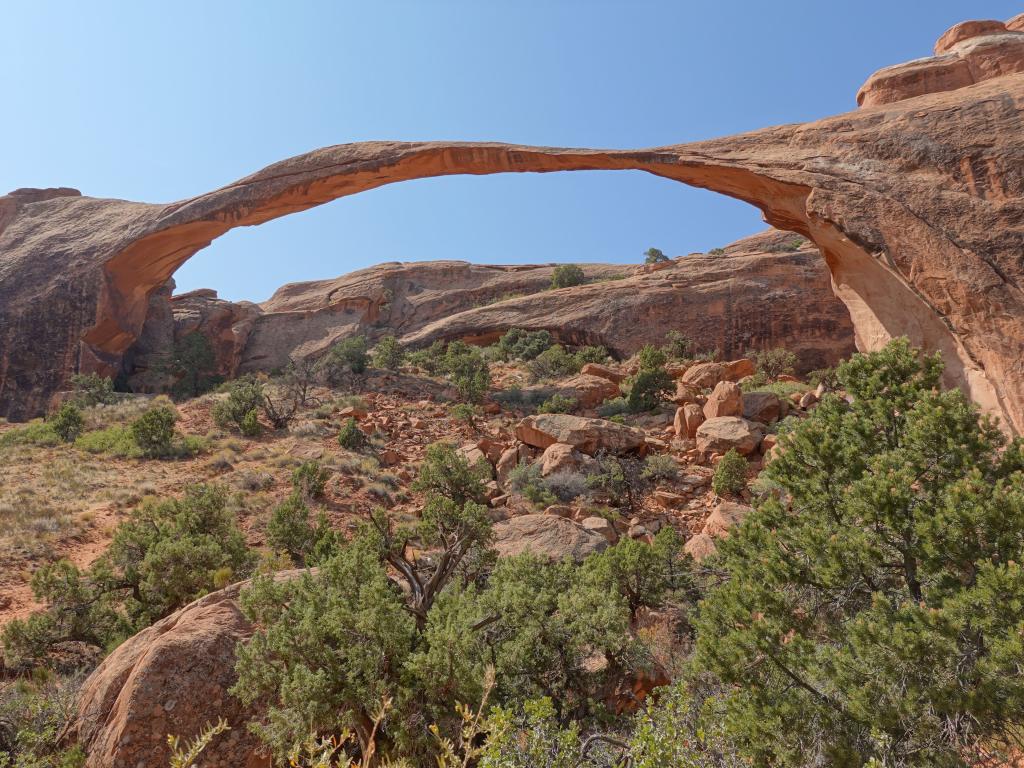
pixel 875 615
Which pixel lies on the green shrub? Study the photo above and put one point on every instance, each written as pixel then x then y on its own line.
pixel 34 715
pixel 775 362
pixel 194 363
pixel 34 433
pixel 518 344
pixel 553 363
pixel 388 353
pixel 660 466
pixel 464 412
pixel 644 574
pixel 351 437
pixel 115 441
pixel 565 485
pixel 558 404
pixel 447 473
pixel 677 346
pixel 163 556
pixel 430 359
pixel 153 431
pixel 730 474
pixel 824 376
pixel 67 422
pixel 590 354
pixel 651 358
pixel 612 407
pixel 346 357
pixel 310 479
pixel 240 409
pixel 717 252
pixel 92 389
pixel 468 371
pixel 525 479
pixel 870 611
pixel 291 531
pixel 567 276
pixel 250 424
pixel 648 388
pixel 654 256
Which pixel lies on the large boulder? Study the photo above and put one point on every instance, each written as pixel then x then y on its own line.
pixel 559 457
pixel 726 399
pixel 588 391
pixel 724 517
pixel 764 407
pixel 171 678
pixel 596 369
pixel 550 536
pixel 687 419
pixel 720 434
pixel 583 434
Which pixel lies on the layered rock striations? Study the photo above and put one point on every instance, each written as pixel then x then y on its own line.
pixel 915 201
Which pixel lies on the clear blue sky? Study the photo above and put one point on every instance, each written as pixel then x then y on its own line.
pixel 160 101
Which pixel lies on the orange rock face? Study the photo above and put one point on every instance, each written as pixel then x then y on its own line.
pixel 916 205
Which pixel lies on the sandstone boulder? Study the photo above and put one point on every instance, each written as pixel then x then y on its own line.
pixel 720 434
pixel 703 375
pixel 700 546
pixel 603 371
pixel 602 526
pixel 550 536
pixel 687 420
pixel 725 516
pixel 171 678
pixel 560 457
pixel 726 399
pixel 586 435
pixel 587 390
pixel 763 407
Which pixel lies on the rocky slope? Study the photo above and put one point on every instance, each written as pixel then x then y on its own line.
pixel 768 290
pixel 916 202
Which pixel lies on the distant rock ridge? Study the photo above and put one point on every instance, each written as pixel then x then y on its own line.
pixel 768 290
pixel 915 201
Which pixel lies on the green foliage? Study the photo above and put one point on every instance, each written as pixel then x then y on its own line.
pixel 115 441
pixel 613 408
pixel 430 359
pixel 290 530
pixel 716 252
pixel 530 736
pixel 558 404
pixel 518 344
pixel 445 472
pixel 349 356
pixel 34 713
pixel 567 276
pixel 34 433
pixel 824 376
pixel 67 422
pixel 464 412
pixel 153 431
pixel 351 437
pixel 660 466
pixel 388 353
pixel 654 256
pixel 556 362
pixel 468 371
pixel 590 354
pixel 677 346
pixel 187 755
pixel 92 389
pixel 868 618
pixel 164 555
pixel 241 407
pixel 642 574
pixel 648 388
pixel 651 358
pixel 730 475
pixel 193 363
pixel 526 479
pixel 772 363
pixel 310 479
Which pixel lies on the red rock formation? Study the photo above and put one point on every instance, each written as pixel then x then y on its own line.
pixel 917 206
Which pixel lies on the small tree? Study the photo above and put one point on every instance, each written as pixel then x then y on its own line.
pixel 283 400
pixel 773 363
pixel 654 256
pixel 92 389
pixel 310 479
pixel 677 345
pixel 241 408
pixel 468 371
pixel 194 363
pixel 643 574
pixel 866 609
pixel 730 474
pixel 567 276
pixel 67 422
pixel 388 353
pixel 345 357
pixel 518 344
pixel 351 437
pixel 153 431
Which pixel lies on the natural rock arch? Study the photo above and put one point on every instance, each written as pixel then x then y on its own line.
pixel 916 205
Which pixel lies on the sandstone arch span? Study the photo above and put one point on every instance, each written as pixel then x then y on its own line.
pixel 916 205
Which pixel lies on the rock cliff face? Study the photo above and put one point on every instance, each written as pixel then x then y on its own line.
pixel 916 202
pixel 767 290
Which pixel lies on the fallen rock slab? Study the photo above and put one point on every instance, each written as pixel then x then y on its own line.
pixel 720 434
pixel 583 434
pixel 550 536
